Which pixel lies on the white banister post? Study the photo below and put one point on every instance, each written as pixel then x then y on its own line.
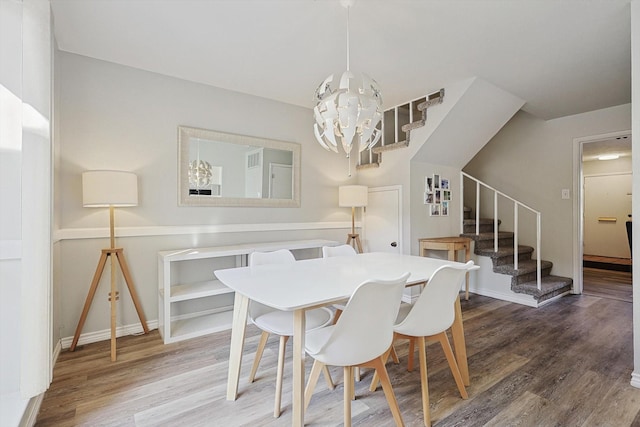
pixel 395 110
pixel 477 207
pixel 461 202
pixel 495 221
pixel 410 111
pixel 382 129
pixel 515 236
pixel 538 258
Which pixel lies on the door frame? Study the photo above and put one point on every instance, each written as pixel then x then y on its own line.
pixel 578 203
pixel 397 188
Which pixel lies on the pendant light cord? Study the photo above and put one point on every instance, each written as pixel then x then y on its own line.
pixel 348 38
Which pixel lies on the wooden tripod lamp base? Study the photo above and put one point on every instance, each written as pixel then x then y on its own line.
pixel 119 255
pixel 354 240
pixel 353 196
pixel 108 188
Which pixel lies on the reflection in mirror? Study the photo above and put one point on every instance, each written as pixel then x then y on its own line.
pixel 220 169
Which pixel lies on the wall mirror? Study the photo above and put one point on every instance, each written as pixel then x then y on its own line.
pixel 223 169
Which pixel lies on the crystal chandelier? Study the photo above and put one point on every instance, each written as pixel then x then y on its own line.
pixel 348 108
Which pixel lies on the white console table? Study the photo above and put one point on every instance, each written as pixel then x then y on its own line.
pixel 191 301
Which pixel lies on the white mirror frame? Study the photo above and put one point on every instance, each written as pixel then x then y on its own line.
pixel 185 199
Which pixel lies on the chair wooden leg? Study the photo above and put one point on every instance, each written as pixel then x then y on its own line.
pixel 422 356
pixel 378 364
pixel 259 351
pixel 453 365
pixel 313 380
pixel 327 378
pixel 353 382
pixel 376 378
pixel 276 406
pixel 337 316
pixel 348 393
pixel 412 350
pixel 394 355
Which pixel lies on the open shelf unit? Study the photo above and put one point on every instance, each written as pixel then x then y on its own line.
pixel 191 301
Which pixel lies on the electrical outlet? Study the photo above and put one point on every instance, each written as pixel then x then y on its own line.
pixel 565 194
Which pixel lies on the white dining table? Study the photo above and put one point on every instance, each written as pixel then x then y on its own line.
pixel 312 283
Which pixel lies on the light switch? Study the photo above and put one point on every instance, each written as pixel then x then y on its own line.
pixel 565 193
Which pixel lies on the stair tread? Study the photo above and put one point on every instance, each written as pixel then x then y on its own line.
pixel 503 251
pixel 389 147
pixel 549 284
pixel 482 221
pixel 413 125
pixel 488 235
pixel 524 267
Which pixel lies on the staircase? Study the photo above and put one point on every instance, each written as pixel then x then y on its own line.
pixel 396 125
pixel 524 278
pixel 528 276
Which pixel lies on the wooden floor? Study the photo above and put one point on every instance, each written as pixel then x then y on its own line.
pixel 607 284
pixel 566 364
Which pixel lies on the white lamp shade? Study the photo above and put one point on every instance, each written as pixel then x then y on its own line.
pixel 109 188
pixel 353 196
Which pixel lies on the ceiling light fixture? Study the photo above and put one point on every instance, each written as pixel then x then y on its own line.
pixel 608 157
pixel 347 108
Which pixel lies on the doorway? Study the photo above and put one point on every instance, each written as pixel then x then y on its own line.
pixel 603 207
pixel 383 220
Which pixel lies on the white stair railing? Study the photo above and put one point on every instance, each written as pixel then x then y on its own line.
pixel 516 205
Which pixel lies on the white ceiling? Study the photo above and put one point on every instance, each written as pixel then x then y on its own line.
pixel 620 146
pixel 562 57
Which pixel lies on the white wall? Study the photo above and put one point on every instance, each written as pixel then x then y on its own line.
pixel 635 99
pixel 25 172
pixel 531 159
pixel 115 117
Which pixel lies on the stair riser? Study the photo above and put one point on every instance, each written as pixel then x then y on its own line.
pixel 516 280
pixel 508 259
pixel 506 242
pixel 484 228
pixel 555 293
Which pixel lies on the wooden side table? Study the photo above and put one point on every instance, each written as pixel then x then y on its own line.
pixel 452 245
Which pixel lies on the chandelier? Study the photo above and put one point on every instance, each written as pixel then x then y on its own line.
pixel 348 109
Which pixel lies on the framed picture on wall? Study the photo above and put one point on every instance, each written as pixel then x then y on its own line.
pixel 434 210
pixel 428 198
pixel 438 196
pixel 444 183
pixel 436 181
pixel 446 196
pixel 428 184
pixel 444 209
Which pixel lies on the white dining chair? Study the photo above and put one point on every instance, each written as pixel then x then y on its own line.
pixel 428 319
pixel 277 322
pixel 346 250
pixel 361 337
pixel 333 251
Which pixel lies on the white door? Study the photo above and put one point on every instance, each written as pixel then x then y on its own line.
pixel 383 220
pixel 607 204
pixel 280 181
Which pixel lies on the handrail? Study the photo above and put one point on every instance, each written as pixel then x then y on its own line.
pixel 516 205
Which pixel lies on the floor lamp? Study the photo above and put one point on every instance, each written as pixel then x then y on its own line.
pixel 353 196
pixel 105 188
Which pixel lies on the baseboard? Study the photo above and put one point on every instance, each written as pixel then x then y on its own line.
pixel 105 334
pixel 31 411
pixel 522 299
pixel 635 379
pixel 56 353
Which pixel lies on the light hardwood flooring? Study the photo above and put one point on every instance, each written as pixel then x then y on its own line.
pixel 566 364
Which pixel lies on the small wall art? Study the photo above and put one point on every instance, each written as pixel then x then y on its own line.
pixel 437 195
